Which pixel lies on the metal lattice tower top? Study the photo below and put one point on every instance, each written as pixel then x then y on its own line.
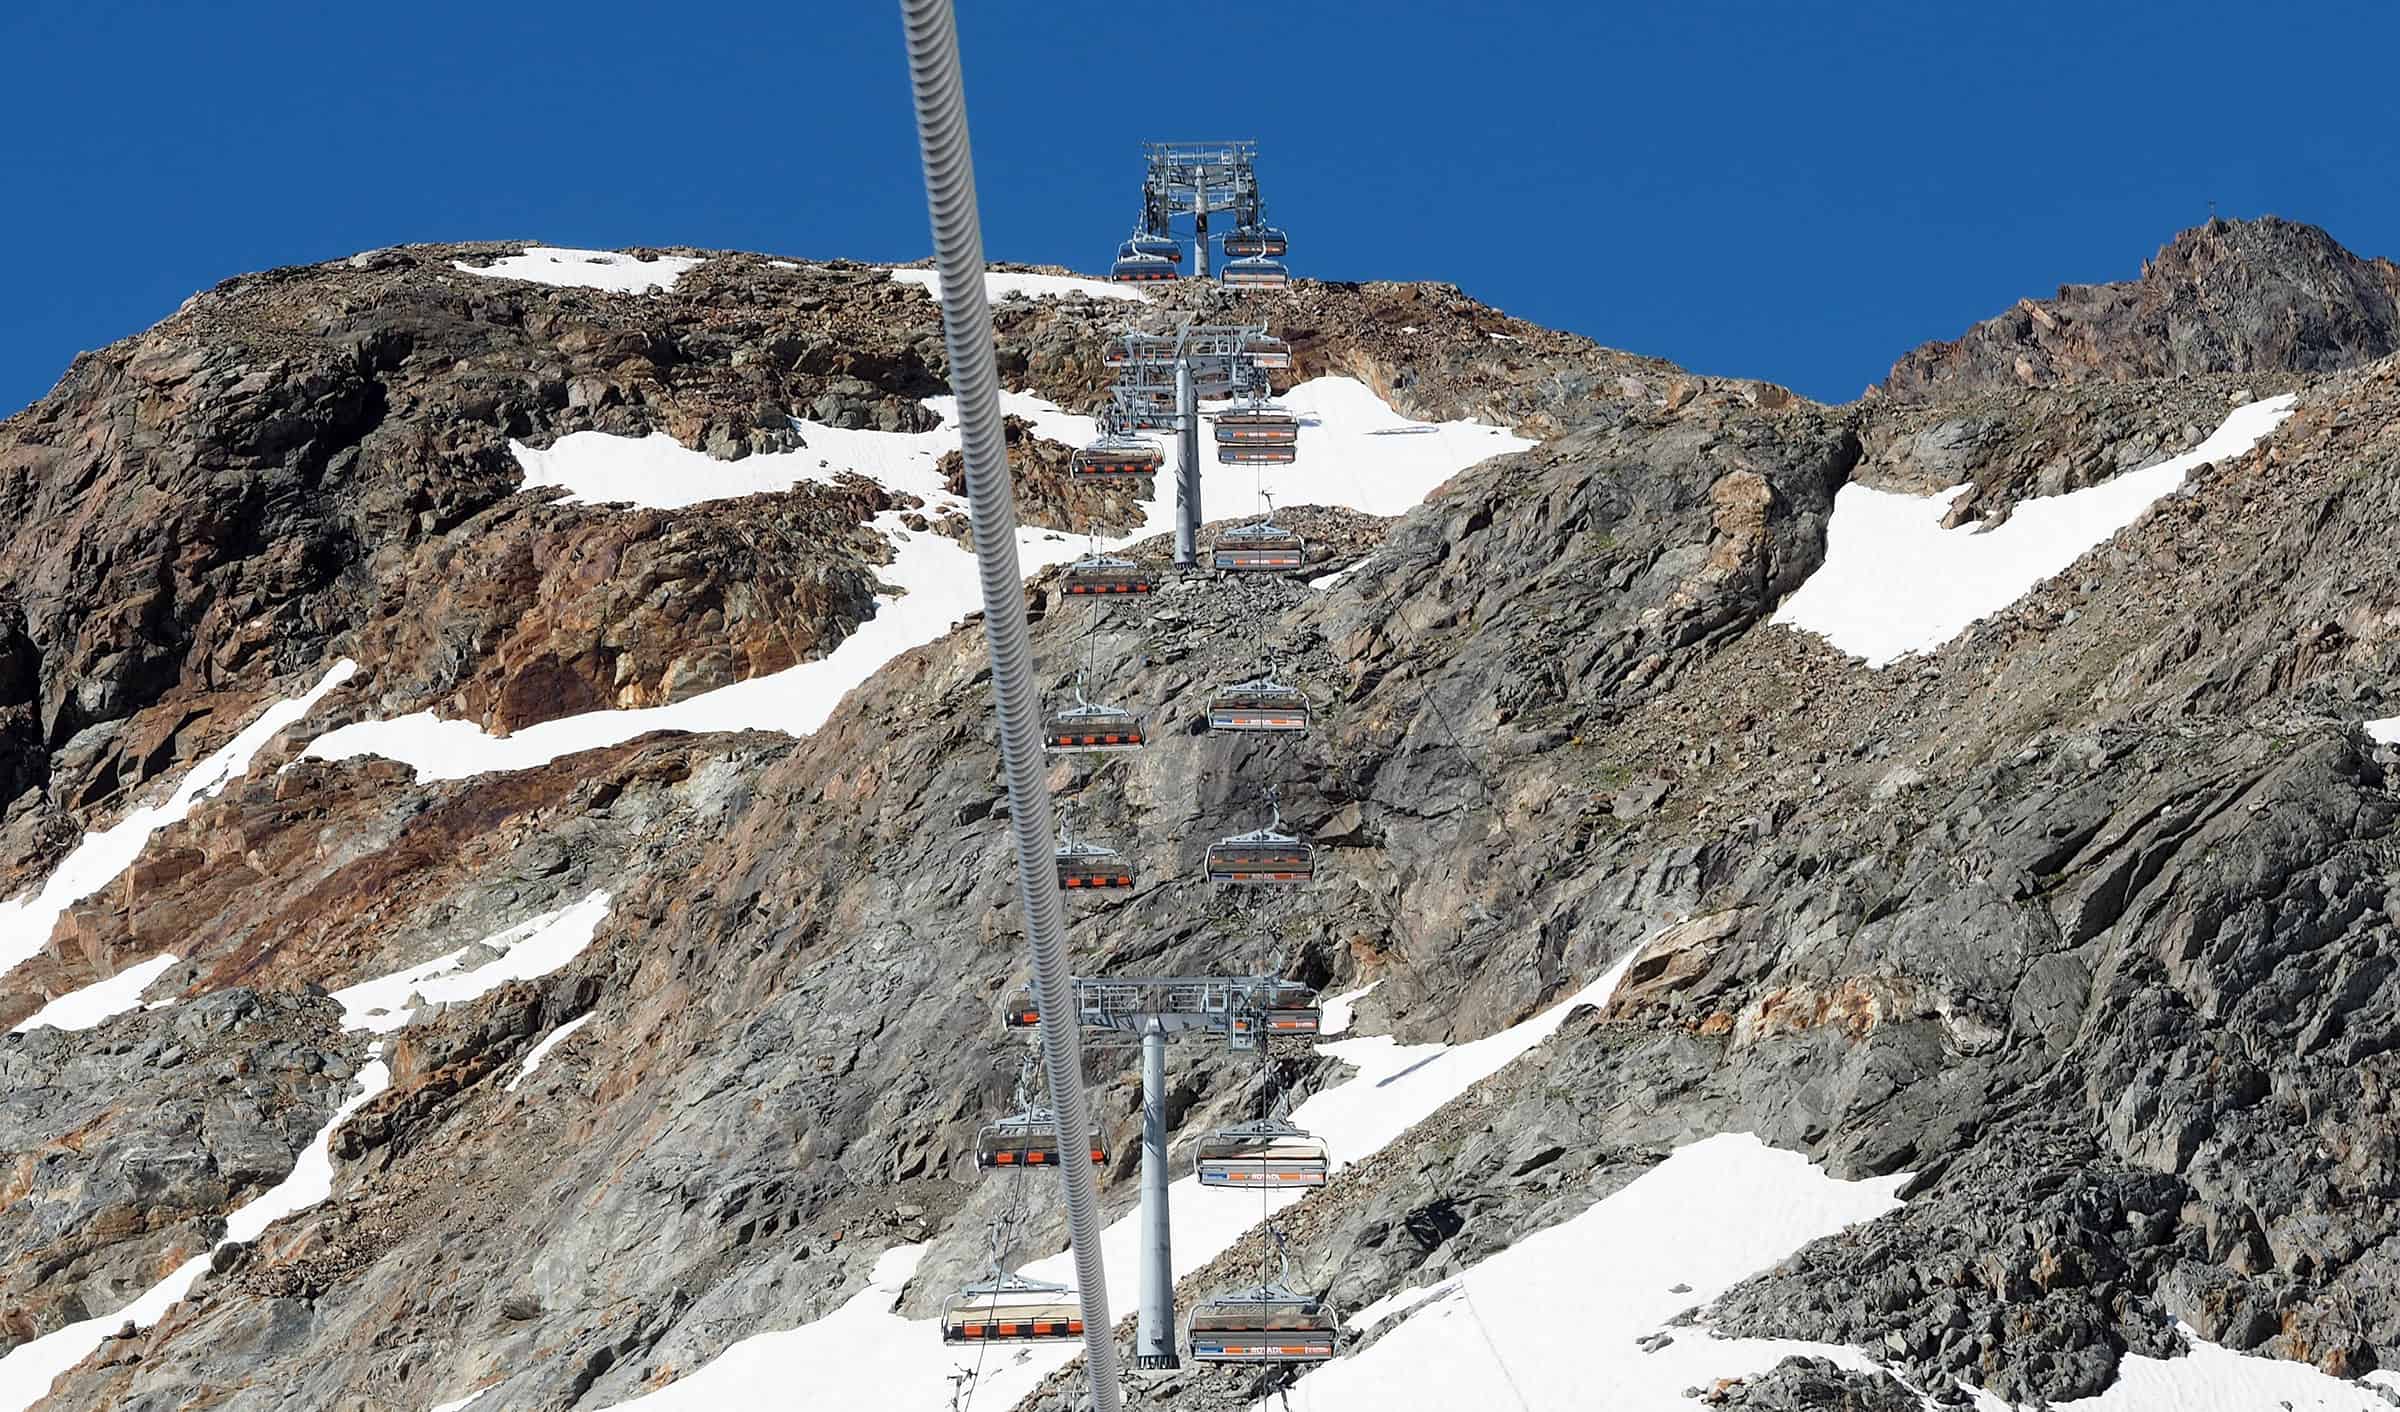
pixel 1199 179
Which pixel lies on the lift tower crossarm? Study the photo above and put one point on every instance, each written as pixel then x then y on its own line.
pixel 1200 178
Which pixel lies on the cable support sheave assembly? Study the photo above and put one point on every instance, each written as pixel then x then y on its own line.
pixel 967 337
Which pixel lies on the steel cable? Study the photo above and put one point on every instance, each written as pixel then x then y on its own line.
pixel 941 111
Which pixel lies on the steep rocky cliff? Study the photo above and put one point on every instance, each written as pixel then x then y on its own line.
pixel 2086 919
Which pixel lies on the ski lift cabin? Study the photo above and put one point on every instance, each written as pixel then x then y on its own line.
pixel 1260 704
pixel 1285 1008
pixel 1267 351
pixel 1270 1153
pixel 1022 1013
pixel 1253 272
pixel 1165 247
pixel 1117 456
pixel 1266 425
pixel 1266 1324
pixel 1265 857
pixel 1093 728
pixel 1261 547
pixel 1257 240
pixel 1134 267
pixel 1012 1309
pixel 1027 1139
pixel 1104 576
pixel 1092 867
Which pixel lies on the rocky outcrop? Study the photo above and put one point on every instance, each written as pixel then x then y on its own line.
pixel 1049 494
pixel 122 1148
pixel 2263 296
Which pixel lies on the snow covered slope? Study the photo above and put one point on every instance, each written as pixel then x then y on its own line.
pixel 27 1370
pixel 586 269
pixel 529 949
pixel 1560 1300
pixel 82 1009
pixel 1554 1318
pixel 902 1363
pixel 1895 582
pixel 2214 1379
pixel 1002 284
pixel 1355 451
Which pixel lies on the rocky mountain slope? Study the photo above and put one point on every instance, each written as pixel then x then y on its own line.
pixel 2261 296
pixel 2086 919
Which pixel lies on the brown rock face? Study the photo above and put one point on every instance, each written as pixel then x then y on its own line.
pixel 2228 297
pixel 1049 495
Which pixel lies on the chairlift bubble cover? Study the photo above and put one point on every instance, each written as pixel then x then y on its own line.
pixel 1267 1323
pixel 1093 728
pixel 1027 1139
pixel 1117 458
pixel 1133 266
pixel 1255 272
pixel 1088 867
pixel 1265 858
pixel 1261 704
pixel 1012 1309
pixel 1103 575
pixel 1269 1153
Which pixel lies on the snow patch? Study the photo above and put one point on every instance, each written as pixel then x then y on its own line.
pixel 586 269
pixel 550 1041
pixel 864 1355
pixel 657 472
pixel 1001 284
pixel 2386 731
pixel 25 921
pixel 1895 582
pixel 1403 1302
pixel 1347 459
pixel 529 949
pixel 1326 582
pixel 2212 1378
pixel 1335 1015
pixel 101 1000
pixel 1556 1315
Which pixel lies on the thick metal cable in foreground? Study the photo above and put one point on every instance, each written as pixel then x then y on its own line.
pixel 967 335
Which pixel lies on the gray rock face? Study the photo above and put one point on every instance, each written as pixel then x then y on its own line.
pixel 125 1146
pixel 1814 1385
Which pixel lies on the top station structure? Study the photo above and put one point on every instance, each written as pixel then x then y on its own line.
pixel 1199 180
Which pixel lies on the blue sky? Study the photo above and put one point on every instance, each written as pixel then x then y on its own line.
pixel 1791 191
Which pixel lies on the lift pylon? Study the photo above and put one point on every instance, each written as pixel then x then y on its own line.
pixel 1199 180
